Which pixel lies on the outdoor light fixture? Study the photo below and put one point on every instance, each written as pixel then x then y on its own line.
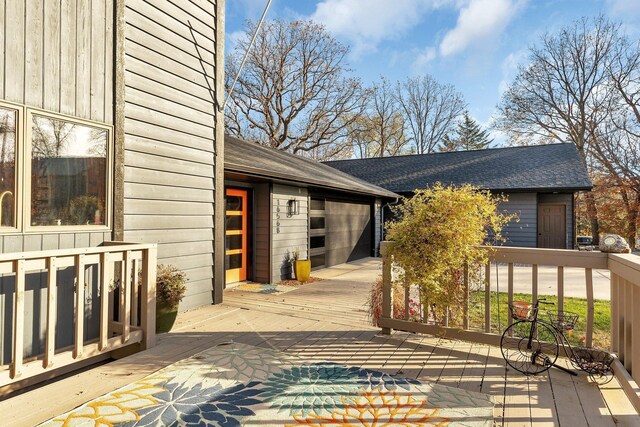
pixel 293 207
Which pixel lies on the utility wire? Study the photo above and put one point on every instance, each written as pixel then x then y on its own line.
pixel 246 54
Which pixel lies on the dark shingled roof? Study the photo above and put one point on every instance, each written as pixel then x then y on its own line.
pixel 253 159
pixel 533 168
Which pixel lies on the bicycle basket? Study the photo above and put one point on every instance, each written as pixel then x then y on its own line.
pixel 593 361
pixel 521 310
pixel 563 320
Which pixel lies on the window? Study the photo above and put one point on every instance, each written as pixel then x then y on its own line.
pixel 8 122
pixel 55 171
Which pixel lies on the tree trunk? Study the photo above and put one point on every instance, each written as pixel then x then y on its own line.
pixel 592 213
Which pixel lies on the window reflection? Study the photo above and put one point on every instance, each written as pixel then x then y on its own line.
pixel 68 173
pixel 7 166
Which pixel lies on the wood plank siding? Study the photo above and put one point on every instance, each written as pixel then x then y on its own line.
pixel 170 129
pixel 523 232
pixel 261 233
pixel 51 65
pixel 290 233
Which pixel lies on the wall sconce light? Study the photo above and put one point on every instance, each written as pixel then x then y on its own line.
pixel 293 207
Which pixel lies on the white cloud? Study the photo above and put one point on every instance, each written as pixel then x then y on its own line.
pixel 625 8
pixel 479 21
pixel 423 58
pixel 366 23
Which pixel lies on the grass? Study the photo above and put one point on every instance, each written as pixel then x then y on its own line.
pixel 601 320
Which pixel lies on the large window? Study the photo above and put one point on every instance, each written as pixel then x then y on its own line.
pixel 8 120
pixel 55 172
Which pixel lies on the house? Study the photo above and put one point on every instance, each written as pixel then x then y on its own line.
pixel 278 204
pixel 110 130
pixel 539 181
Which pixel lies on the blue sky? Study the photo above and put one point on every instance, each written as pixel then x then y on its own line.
pixel 475 45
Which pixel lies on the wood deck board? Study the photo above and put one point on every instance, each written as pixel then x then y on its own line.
pixel 309 323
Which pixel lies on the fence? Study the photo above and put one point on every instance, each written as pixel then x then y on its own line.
pixel 121 279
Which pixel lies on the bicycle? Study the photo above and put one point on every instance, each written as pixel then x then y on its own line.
pixel 531 345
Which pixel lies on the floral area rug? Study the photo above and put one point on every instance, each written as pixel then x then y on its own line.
pixel 242 385
pixel 262 288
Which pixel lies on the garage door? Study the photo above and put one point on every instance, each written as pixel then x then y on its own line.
pixel 340 232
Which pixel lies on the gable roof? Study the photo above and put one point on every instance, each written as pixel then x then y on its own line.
pixel 531 168
pixel 256 160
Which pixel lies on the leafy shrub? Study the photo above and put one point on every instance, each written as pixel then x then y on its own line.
pixel 438 232
pixel 170 285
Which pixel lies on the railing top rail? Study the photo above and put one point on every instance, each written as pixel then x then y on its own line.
pixel 555 257
pixel 106 247
pixel 627 266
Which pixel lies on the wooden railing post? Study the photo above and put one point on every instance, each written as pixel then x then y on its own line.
pixel 588 272
pixel 148 296
pixel 465 308
pixel 387 294
pixel 79 315
pixel 105 282
pixel 487 297
pixel 52 312
pixel 18 326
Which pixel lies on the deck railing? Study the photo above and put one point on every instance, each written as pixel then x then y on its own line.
pixel 625 301
pixel 124 275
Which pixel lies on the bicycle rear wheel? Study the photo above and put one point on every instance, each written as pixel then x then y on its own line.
pixel 528 347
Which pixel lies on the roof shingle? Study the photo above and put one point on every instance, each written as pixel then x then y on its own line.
pixel 253 159
pixel 534 168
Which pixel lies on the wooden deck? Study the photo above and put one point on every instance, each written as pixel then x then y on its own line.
pixel 327 320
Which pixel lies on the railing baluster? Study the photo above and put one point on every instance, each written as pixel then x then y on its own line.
pixel 465 308
pixel 105 281
pixel 628 324
pixel 52 312
pixel 134 292
pixel 126 317
pixel 79 338
pixel 509 290
pixel 615 314
pixel 588 272
pixel 560 288
pixel 534 283
pixel 148 295
pixel 18 326
pixel 635 338
pixel 487 297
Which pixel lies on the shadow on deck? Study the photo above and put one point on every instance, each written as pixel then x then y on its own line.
pixel 327 321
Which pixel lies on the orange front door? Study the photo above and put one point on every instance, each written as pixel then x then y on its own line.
pixel 236 235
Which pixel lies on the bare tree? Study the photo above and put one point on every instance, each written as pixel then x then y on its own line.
pixel 294 92
pixel 430 110
pixel 563 93
pixel 380 130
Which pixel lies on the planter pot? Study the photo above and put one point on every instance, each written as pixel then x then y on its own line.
pixel 303 270
pixel 165 317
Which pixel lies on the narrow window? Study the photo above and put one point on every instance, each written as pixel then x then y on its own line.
pixel 7 167
pixel 68 172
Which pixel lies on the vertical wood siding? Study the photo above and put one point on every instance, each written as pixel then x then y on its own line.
pixel 58 56
pixel 261 233
pixel 524 232
pixel 288 233
pixel 169 135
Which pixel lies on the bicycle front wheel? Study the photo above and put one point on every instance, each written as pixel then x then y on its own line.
pixel 529 347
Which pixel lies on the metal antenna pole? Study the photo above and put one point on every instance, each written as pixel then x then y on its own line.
pixel 246 54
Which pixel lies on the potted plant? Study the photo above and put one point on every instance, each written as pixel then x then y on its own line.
pixel 170 289
pixel 302 267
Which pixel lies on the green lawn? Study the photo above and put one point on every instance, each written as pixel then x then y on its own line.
pixel 602 315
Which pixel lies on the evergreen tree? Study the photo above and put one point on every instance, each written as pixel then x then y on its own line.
pixel 468 135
